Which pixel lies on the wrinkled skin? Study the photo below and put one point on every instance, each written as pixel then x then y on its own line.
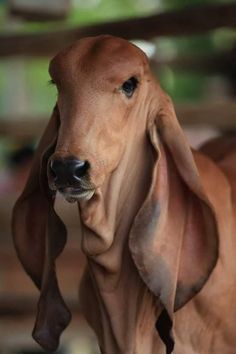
pixel 159 239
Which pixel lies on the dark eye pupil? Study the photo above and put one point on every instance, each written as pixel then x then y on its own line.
pixel 129 86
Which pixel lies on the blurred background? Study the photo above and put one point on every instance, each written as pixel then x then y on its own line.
pixel 192 49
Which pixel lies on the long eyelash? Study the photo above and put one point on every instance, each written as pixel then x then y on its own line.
pixel 51 82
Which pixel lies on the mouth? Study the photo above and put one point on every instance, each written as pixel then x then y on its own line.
pixel 73 195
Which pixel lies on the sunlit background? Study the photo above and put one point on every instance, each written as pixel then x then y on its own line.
pixel 197 70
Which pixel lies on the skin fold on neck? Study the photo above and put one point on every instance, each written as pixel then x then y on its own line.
pixel 112 282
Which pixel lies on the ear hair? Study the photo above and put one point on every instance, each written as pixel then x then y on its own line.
pixel 174 238
pixel 39 237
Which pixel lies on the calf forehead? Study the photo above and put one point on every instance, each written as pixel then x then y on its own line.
pixel 100 56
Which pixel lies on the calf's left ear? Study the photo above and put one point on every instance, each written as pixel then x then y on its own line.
pixel 39 237
pixel 174 238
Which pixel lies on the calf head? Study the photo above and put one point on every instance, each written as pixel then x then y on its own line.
pixel 98 82
pixel 106 97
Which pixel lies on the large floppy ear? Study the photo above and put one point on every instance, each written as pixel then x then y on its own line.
pixel 174 238
pixel 39 237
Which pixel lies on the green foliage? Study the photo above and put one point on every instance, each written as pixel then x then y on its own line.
pixel 89 12
pixel 27 78
pixel 37 78
pixel 107 10
pixel 32 74
pixel 182 85
pixel 24 88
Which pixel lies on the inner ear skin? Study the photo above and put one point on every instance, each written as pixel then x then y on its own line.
pixel 197 244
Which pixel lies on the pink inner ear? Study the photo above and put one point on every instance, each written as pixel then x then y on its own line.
pixel 194 244
pixel 199 251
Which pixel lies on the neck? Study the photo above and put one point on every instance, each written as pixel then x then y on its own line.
pixel 112 283
pixel 106 220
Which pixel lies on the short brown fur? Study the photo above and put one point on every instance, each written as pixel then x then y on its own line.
pixel 159 231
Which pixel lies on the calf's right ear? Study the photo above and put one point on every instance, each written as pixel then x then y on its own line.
pixel 39 237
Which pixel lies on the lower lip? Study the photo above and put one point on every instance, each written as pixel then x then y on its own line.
pixel 73 195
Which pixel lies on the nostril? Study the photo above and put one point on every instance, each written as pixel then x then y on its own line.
pixel 66 172
pixel 54 167
pixel 53 175
pixel 81 168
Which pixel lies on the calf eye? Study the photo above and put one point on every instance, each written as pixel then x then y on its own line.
pixel 129 86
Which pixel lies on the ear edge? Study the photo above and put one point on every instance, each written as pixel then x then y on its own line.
pixel 170 133
pixel 59 317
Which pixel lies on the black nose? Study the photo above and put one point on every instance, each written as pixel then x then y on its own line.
pixel 66 172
